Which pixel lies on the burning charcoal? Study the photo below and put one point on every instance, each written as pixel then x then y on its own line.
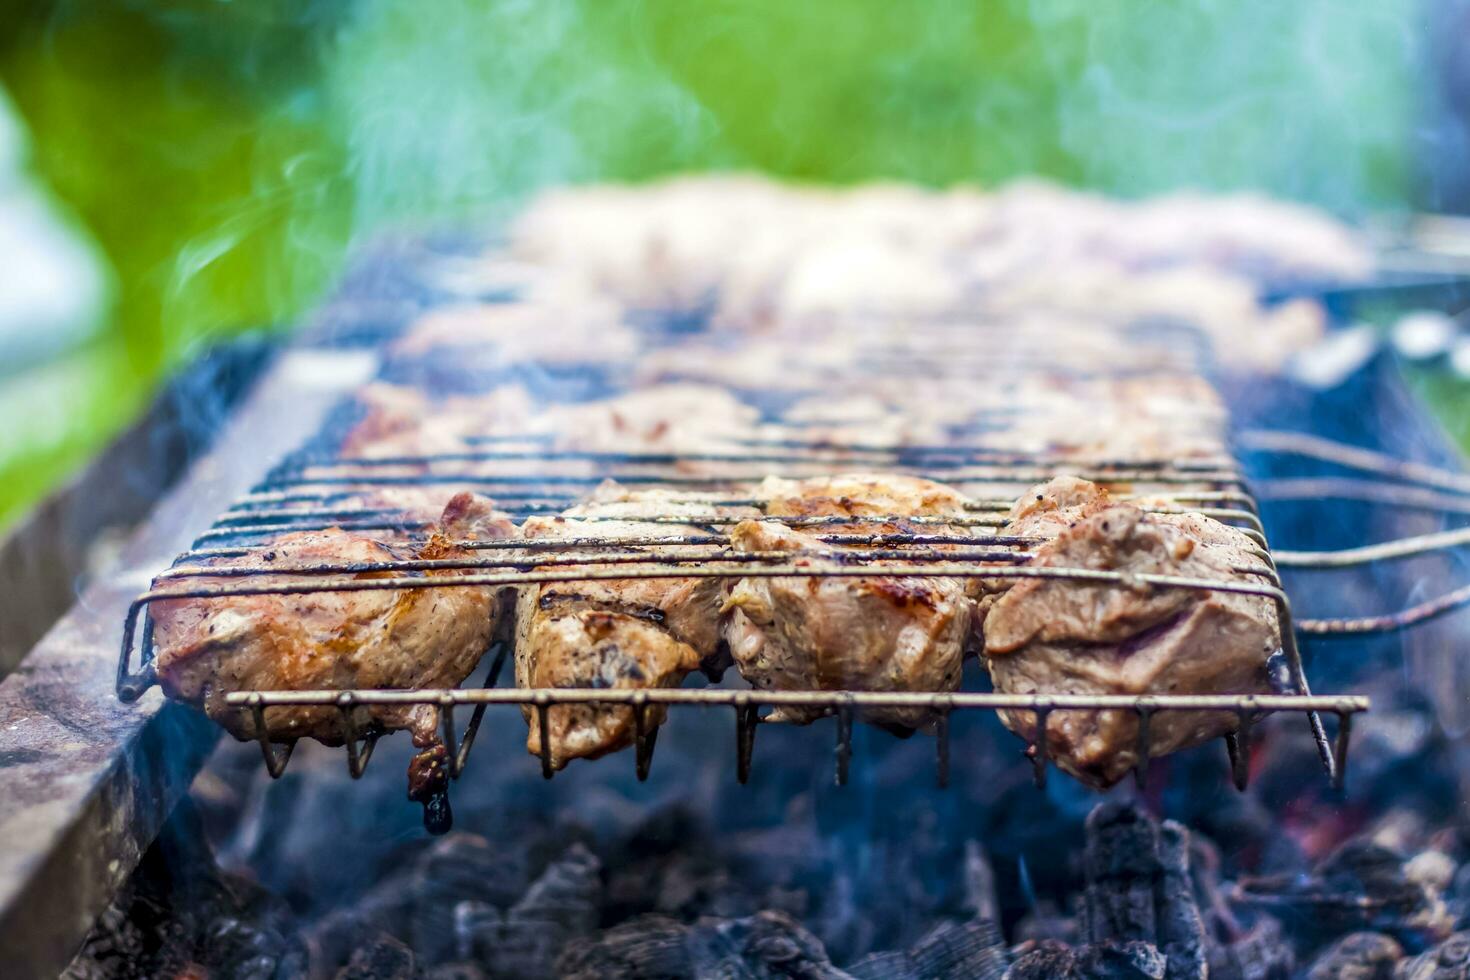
pixel 518 951
pixel 972 949
pixel 458 868
pixel 1358 956
pixel 387 907
pixel 385 958
pixel 1045 923
pixel 339 933
pixel 456 971
pixel 562 904
pixel 767 944
pixel 1139 888
pixel 892 965
pixel 1360 886
pixel 1448 961
pixel 1051 960
pixel 650 946
pixel 566 896
pixel 476 927
pixel 657 871
pixel 181 915
pixel 1180 928
pixel 1240 944
pixel 1259 952
pixel 1115 960
pixel 1046 960
pixel 1121 868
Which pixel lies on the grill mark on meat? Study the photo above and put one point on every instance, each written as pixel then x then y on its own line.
pixel 552 600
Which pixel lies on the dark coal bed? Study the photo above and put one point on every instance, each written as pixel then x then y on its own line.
pixel 595 874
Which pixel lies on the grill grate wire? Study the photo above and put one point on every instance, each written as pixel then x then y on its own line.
pixel 314 490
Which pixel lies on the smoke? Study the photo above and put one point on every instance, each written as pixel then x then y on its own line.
pixel 457 110
pixel 1314 101
pixel 228 157
pixel 264 142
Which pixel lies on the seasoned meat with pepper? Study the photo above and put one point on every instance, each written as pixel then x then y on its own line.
pixel 614 633
pixel 883 633
pixel 376 638
pixel 1060 636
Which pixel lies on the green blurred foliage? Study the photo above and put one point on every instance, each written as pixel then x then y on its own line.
pixel 226 156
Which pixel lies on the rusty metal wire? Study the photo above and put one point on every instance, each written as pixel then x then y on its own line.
pixel 844 705
pixel 314 491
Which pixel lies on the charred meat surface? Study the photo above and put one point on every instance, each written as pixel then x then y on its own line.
pixel 373 638
pixel 613 633
pixel 884 633
pixel 1060 636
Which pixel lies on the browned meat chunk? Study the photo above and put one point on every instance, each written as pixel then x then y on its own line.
pixel 388 639
pixel 613 633
pixel 1059 636
pixel 401 421
pixel 883 633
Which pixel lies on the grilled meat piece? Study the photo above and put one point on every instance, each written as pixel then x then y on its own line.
pixel 866 496
pixel 400 421
pixel 1059 636
pixel 883 633
pixel 390 639
pixel 674 417
pixel 614 633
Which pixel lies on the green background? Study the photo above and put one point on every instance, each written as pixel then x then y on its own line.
pixel 225 156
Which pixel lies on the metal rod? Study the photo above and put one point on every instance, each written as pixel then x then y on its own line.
pixel 1389 622
pixel 644 741
pixel 844 741
pixel 974 474
pixel 274 764
pixel 1299 681
pixel 501 652
pixel 851 544
pixel 543 723
pixel 746 718
pixel 941 748
pixel 937 569
pixel 1140 767
pixel 797 451
pixel 450 737
pixel 1042 712
pixel 665 557
pixel 252 530
pixel 358 753
pixel 1340 748
pixel 1240 741
pixel 242 518
pixel 1369 491
pixel 724 697
pixel 1232 754
pixel 1385 551
pixel 1352 457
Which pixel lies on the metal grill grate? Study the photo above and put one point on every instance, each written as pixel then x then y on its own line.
pixel 528 475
